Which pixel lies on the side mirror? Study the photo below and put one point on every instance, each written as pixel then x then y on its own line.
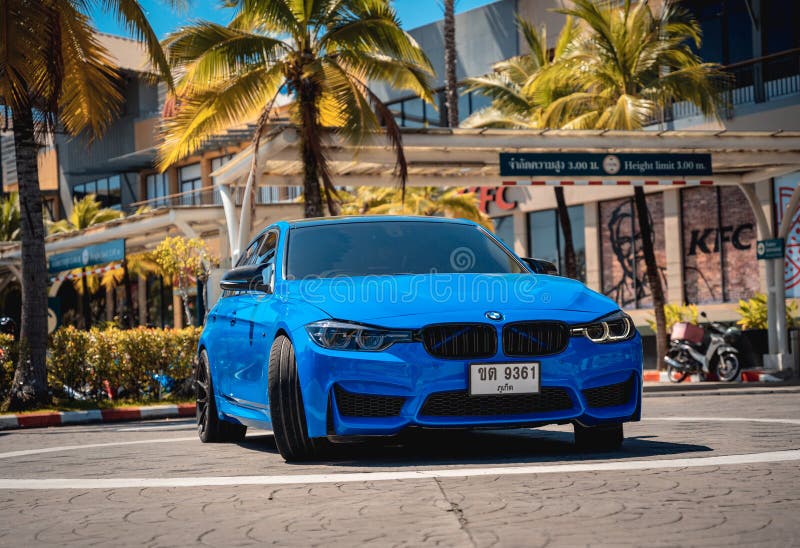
pixel 540 266
pixel 248 278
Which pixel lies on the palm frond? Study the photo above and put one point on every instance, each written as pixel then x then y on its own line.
pixel 504 93
pixel 210 111
pixel 207 53
pixel 131 16
pixel 491 117
pixel 90 96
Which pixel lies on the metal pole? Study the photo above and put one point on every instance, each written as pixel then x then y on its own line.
pixel 772 333
pixel 780 307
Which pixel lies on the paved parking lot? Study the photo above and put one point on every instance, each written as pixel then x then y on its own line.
pixel 700 470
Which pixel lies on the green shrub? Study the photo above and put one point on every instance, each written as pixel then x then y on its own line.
pixel 675 313
pixel 87 364
pixel 8 360
pixel 68 367
pixel 754 312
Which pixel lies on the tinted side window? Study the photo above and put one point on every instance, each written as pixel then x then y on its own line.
pixel 250 255
pixel 266 251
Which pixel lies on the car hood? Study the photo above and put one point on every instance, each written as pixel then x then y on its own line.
pixel 415 300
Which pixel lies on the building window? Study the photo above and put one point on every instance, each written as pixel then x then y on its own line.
pixel 293 193
pixel 727 30
pixel 107 190
pixel 217 163
pixel 719 235
pixel 191 182
pixel 268 195
pixel 157 189
pixel 546 239
pixel 622 256
pixel 220 161
pixel 504 229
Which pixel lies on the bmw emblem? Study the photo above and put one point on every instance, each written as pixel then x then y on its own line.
pixel 494 316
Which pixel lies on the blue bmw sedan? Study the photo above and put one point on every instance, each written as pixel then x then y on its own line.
pixel 345 327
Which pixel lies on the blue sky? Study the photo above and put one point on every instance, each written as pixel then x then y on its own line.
pixel 413 13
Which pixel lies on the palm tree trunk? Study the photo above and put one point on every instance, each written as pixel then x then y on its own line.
pixel 309 143
pixel 126 279
pixel 311 192
pixel 570 263
pixel 85 304
pixel 185 299
pixel 450 81
pixel 29 388
pixel 653 277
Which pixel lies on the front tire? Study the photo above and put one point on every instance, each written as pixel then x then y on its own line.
pixel 286 405
pixel 210 428
pixel 728 367
pixel 599 438
pixel 673 373
pixel 676 375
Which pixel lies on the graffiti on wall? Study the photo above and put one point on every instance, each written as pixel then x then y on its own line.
pixel 719 263
pixel 784 186
pixel 624 269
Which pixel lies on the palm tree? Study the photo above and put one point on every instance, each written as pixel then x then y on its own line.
pixel 325 54
pixel 53 70
pixel 515 86
pixel 618 68
pixel 518 101
pixel 431 201
pixel 9 218
pixel 450 60
pixel 139 265
pixel 85 212
pixel 627 64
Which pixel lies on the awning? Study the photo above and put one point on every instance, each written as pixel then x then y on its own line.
pixel 470 157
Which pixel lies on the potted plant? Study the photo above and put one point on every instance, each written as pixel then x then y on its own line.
pixel 753 322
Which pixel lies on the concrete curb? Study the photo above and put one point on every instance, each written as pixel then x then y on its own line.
pixel 120 414
pixel 747 376
pixel 656 385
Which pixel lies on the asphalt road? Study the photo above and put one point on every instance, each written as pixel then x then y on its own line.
pixel 684 477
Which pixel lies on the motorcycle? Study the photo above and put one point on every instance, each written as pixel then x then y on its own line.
pixel 695 349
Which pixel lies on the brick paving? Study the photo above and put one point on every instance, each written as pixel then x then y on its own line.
pixel 745 505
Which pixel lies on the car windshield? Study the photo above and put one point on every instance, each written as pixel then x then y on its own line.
pixel 394 247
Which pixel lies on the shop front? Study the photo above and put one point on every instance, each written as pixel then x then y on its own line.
pixel 704 239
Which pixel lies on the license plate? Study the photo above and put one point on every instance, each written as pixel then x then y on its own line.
pixel 503 378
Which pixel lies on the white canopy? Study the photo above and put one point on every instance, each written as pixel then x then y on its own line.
pixel 470 157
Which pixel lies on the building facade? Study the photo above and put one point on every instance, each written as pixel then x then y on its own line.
pixel 704 238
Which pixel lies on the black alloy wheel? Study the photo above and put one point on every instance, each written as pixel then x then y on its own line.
pixel 210 428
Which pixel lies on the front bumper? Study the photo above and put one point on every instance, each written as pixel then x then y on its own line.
pixel 381 393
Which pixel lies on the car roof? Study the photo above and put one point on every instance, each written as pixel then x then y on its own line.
pixel 345 219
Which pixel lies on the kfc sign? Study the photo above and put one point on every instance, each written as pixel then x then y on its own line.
pixel 492 195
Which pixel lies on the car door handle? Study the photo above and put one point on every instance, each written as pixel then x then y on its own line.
pixel 233 320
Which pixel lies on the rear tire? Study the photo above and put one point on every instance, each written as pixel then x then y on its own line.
pixel 286 405
pixel 210 428
pixel 599 438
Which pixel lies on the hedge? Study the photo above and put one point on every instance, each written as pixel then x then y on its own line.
pixel 115 363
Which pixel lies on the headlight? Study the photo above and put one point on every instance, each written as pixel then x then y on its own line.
pixel 612 328
pixel 338 335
